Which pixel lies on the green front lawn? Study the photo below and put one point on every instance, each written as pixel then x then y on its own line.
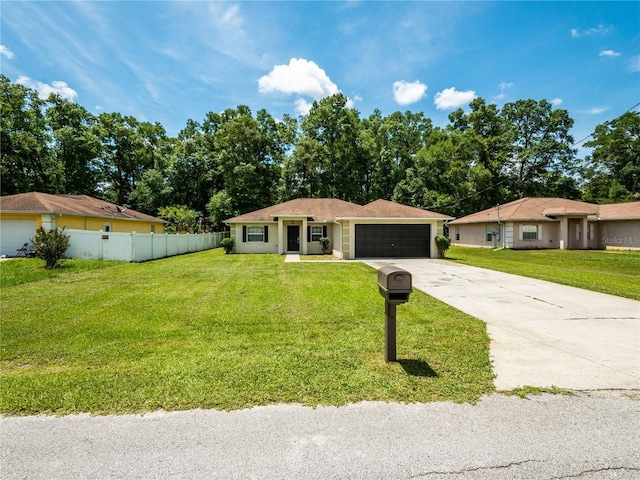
pixel 209 330
pixel 616 272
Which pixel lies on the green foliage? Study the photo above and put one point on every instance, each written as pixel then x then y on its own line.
pixel 50 246
pixel 180 218
pixel 613 170
pixel 195 331
pixel 220 207
pixel 227 245
pixel 442 243
pixel 236 161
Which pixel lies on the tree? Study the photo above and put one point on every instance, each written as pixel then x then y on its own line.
pixel 220 207
pixel 613 170
pixel 25 160
pixel 249 157
pixel 180 218
pixel 75 146
pixel 539 142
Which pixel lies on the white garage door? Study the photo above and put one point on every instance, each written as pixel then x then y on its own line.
pixel 14 233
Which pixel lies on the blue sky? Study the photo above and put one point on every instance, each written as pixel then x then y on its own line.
pixel 169 62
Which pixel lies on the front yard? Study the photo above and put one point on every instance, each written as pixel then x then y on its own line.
pixel 209 330
pixel 616 272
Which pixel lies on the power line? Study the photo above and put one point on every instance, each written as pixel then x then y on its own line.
pixel 591 134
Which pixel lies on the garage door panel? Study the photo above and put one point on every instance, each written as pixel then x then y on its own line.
pixel 14 233
pixel 393 240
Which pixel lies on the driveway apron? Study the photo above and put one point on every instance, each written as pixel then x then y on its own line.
pixel 542 334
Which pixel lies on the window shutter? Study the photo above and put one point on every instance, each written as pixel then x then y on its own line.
pixel 266 234
pixel 244 233
pixel 308 233
pixel 324 230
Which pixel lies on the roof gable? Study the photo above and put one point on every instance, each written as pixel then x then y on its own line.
pixel 387 209
pixel 37 202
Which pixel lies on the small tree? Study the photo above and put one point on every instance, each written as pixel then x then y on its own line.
pixel 227 244
pixel 181 219
pixel 443 243
pixel 50 246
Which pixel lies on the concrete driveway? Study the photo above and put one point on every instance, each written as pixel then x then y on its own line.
pixel 542 334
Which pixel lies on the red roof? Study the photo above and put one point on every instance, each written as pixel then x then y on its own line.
pixel 37 202
pixel 318 209
pixel 386 209
pixel 549 209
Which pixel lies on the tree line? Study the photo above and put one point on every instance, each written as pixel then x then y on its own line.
pixel 236 161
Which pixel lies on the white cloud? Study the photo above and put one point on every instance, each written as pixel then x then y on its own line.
pixel 406 93
pixel 44 89
pixel 609 53
pixel 303 107
pixel 634 64
pixel 597 110
pixel 504 86
pixel 6 52
pixel 302 77
pixel 450 98
pixel 556 101
pixel 599 30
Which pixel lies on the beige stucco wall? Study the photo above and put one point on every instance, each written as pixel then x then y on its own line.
pixel 619 234
pixel 255 247
pixel 278 239
pixel 475 235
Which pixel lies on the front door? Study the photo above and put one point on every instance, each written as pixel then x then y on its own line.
pixel 293 238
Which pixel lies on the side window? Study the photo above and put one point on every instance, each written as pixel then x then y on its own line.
pixel 489 233
pixel 316 233
pixel 529 232
pixel 106 227
pixel 457 232
pixel 255 234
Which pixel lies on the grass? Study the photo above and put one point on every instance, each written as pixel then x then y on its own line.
pixel 209 330
pixel 616 272
pixel 23 270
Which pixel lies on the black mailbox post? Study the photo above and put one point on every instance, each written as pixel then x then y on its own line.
pixel 394 285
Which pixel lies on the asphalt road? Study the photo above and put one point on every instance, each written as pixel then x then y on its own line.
pixel 591 436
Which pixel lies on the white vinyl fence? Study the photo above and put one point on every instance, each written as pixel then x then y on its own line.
pixel 137 247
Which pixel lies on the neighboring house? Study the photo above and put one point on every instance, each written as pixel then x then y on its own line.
pixel 379 229
pixel 533 223
pixel 23 213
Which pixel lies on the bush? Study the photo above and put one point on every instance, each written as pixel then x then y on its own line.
pixel 443 243
pixel 50 246
pixel 324 241
pixel 227 244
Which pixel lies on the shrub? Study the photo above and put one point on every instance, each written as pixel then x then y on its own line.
pixel 50 246
pixel 443 243
pixel 324 241
pixel 227 244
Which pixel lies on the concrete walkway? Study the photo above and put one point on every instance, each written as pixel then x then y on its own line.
pixel 542 334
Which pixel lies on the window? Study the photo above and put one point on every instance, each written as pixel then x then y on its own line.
pixel 457 233
pixel 316 234
pixel 255 234
pixel 107 227
pixel 489 233
pixel 529 232
pixel 591 229
pixel 153 229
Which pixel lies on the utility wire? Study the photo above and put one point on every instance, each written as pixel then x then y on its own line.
pixel 591 134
